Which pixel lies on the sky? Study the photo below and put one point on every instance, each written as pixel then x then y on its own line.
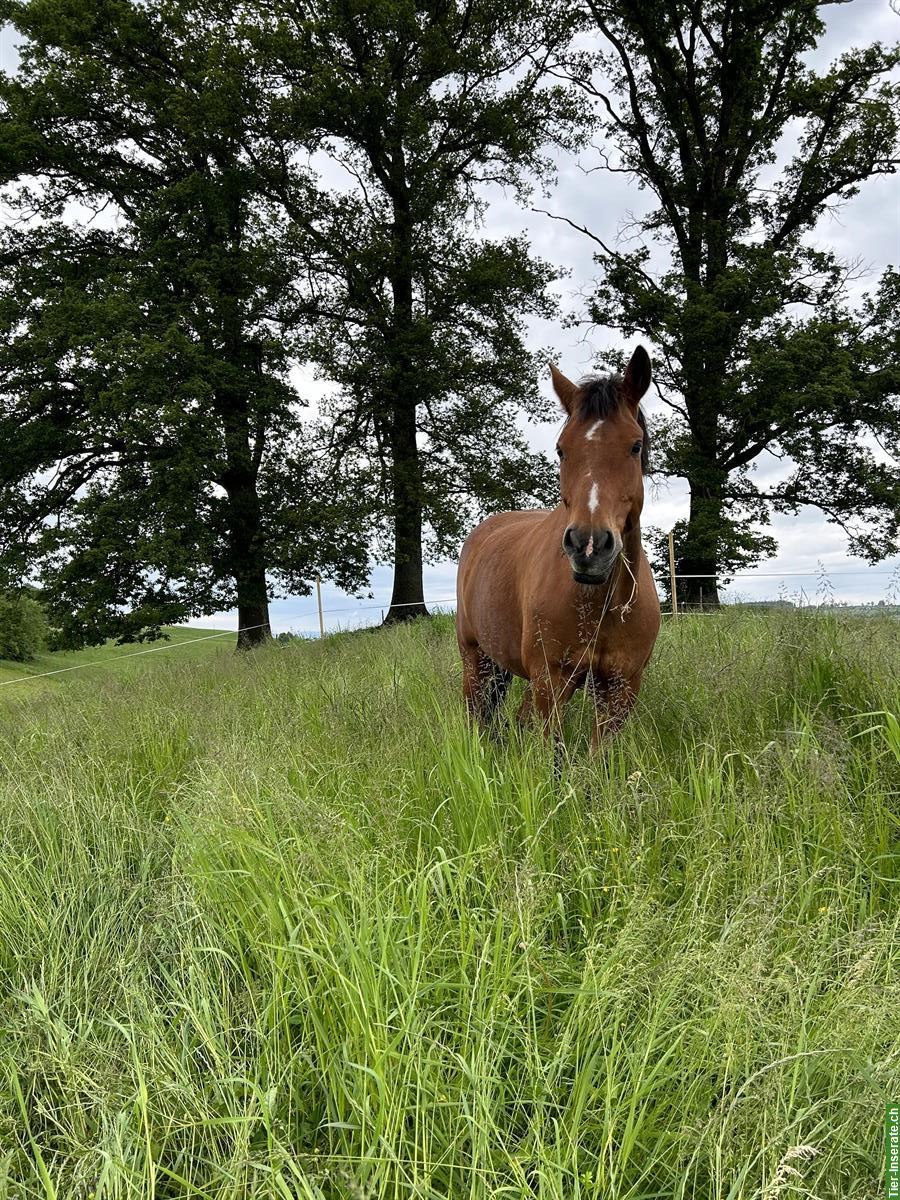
pixel 867 229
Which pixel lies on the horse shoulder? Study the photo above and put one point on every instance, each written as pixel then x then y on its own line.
pixel 493 574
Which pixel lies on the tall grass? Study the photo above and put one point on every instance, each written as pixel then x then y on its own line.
pixel 282 926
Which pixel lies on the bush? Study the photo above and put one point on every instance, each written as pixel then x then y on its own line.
pixel 23 627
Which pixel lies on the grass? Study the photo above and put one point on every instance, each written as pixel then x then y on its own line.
pixel 216 640
pixel 281 926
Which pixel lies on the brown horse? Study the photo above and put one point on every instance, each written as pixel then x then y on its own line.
pixel 565 598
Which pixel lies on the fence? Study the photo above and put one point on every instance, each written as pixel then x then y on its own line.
pixel 826 597
pixel 825 594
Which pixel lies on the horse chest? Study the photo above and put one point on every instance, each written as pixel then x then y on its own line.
pixel 580 641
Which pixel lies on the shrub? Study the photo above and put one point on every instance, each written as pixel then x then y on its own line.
pixel 23 627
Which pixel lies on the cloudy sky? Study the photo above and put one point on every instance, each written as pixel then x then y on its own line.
pixel 866 229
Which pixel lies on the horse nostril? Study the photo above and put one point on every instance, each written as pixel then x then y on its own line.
pixel 575 540
pixel 606 541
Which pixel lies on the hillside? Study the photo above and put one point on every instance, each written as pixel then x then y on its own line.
pixel 62 662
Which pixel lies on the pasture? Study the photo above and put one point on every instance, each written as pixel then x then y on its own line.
pixel 49 671
pixel 279 925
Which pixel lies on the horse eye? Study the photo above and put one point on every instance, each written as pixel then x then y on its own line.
pixel 636 448
pixel 560 453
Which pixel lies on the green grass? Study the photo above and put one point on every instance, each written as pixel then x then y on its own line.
pixel 62 662
pixel 280 926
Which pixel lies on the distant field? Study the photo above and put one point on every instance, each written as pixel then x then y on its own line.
pixel 280 925
pixel 104 655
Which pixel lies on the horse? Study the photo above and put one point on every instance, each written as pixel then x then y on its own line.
pixel 564 598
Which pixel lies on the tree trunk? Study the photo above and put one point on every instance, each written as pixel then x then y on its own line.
pixel 408 597
pixel 248 565
pixel 705 359
pixel 698 553
pixel 253 624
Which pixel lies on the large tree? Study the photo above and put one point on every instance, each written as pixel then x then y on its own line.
pixel 419 318
pixel 154 462
pixel 760 346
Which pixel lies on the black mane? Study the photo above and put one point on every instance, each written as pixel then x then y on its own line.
pixel 598 398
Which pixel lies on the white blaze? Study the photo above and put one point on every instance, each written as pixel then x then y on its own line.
pixel 593 429
pixel 594 498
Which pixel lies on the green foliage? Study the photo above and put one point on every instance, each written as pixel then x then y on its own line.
pixel 162 466
pixel 363 952
pixel 420 318
pixel 762 349
pixel 23 627
pixel 159 463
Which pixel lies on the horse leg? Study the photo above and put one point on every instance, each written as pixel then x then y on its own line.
pixel 550 691
pixel 614 699
pixel 526 708
pixel 484 685
pixel 494 689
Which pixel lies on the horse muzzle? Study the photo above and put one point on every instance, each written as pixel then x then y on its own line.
pixel 592 553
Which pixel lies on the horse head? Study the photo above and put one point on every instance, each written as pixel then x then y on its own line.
pixel 603 455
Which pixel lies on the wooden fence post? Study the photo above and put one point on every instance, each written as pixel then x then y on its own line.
pixel 319 598
pixel 672 572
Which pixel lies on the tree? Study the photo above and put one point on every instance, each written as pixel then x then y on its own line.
pixel 419 318
pixel 761 348
pixel 156 465
pixel 23 626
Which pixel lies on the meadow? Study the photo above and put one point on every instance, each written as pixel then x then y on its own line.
pixel 47 671
pixel 280 925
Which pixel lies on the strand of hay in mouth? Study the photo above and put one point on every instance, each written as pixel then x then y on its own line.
pixel 626 608
pixel 609 607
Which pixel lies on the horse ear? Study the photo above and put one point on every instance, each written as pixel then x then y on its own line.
pixel 637 376
pixel 564 388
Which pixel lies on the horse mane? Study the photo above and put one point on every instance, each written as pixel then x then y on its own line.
pixel 598 398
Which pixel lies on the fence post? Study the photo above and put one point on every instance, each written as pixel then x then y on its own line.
pixel 672 572
pixel 319 598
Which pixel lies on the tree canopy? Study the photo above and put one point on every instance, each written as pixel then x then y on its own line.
pixel 176 254
pixel 762 346
pixel 419 317
pixel 205 196
pixel 156 462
